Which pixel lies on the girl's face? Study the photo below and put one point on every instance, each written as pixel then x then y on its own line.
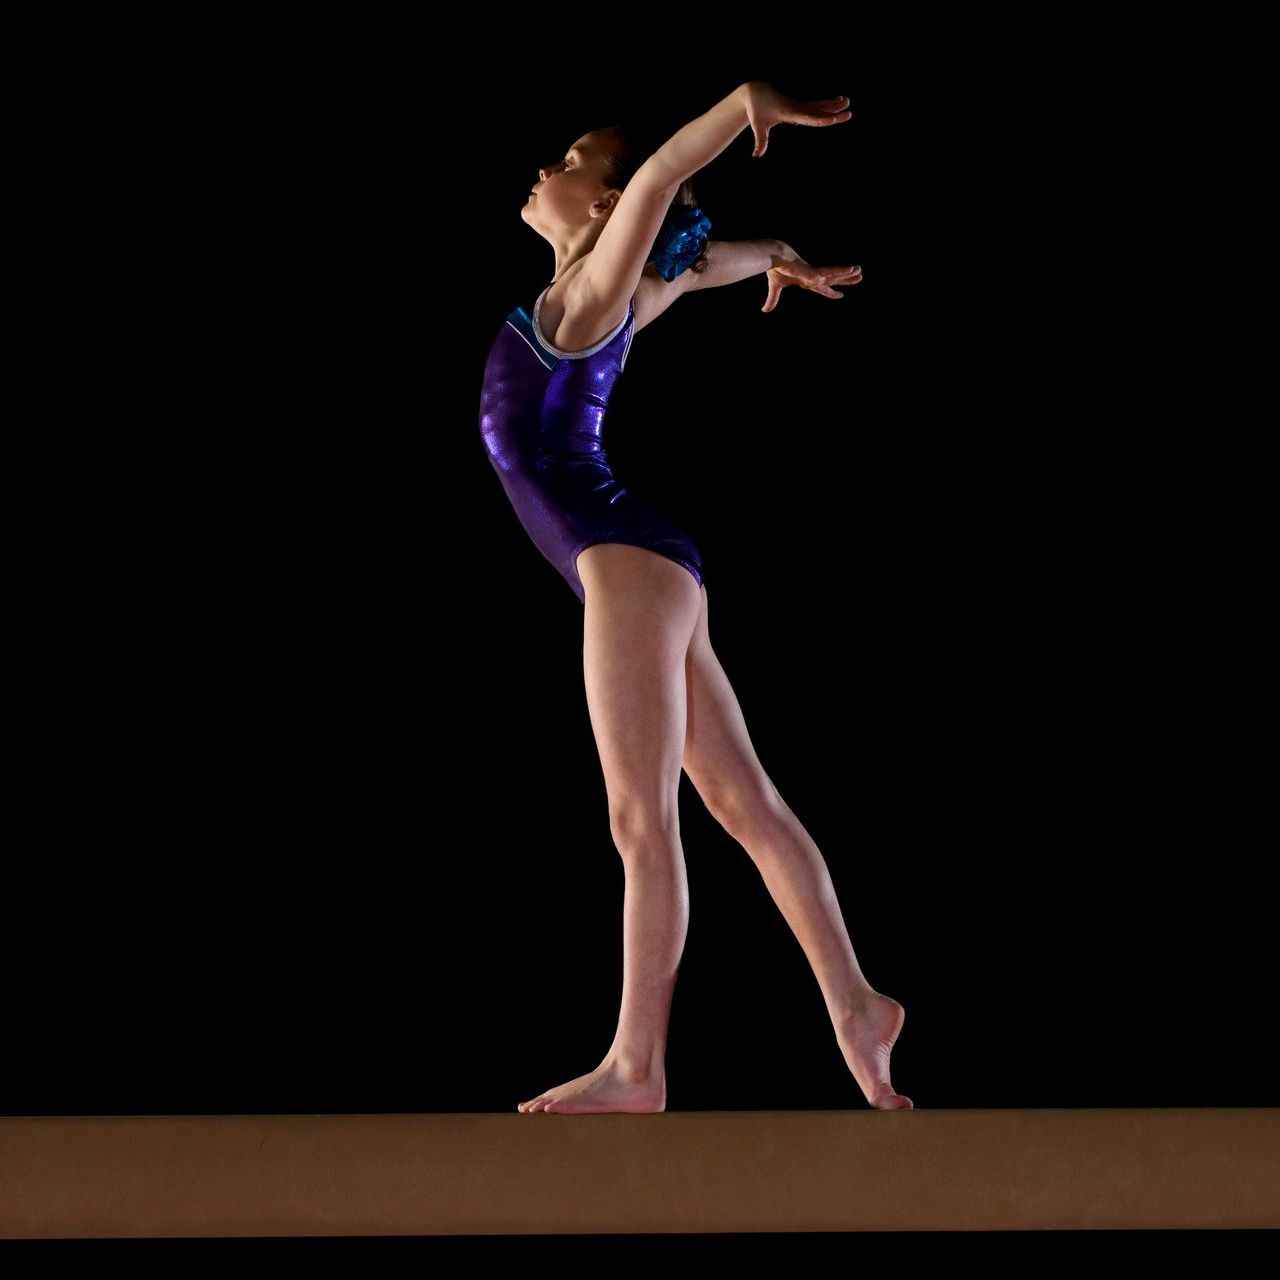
pixel 567 192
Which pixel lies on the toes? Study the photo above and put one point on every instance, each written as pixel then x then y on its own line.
pixel 887 1100
pixel 895 1102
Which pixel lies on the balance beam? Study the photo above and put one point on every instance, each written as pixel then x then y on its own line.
pixel 683 1171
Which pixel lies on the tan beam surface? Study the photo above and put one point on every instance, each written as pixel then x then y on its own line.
pixel 691 1171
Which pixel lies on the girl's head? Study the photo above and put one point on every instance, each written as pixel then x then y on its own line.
pixel 575 196
pixel 571 193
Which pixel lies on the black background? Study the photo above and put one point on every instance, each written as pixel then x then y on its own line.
pixel 308 815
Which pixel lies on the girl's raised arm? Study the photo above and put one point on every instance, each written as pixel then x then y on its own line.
pixel 755 103
pixel 611 273
pixel 612 270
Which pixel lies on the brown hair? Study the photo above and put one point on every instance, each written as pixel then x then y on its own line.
pixel 638 143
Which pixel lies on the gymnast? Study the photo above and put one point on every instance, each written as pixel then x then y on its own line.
pixel 629 240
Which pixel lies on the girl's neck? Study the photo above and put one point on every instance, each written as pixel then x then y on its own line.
pixel 568 271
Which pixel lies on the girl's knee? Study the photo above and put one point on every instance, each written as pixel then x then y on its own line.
pixel 746 809
pixel 642 826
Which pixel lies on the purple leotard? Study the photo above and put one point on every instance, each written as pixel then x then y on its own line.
pixel 541 415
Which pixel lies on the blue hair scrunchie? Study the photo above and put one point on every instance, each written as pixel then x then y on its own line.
pixel 682 243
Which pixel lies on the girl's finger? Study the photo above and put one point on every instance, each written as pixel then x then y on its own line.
pixel 823 118
pixel 828 104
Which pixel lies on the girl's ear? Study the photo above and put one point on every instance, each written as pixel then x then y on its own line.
pixel 608 199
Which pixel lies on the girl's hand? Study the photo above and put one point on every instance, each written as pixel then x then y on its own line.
pixel 767 107
pixel 815 279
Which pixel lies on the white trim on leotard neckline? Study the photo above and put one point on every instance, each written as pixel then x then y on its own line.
pixel 574 355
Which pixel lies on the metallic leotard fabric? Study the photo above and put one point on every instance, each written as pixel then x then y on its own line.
pixel 541 418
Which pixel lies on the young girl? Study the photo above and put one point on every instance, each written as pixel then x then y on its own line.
pixel 628 243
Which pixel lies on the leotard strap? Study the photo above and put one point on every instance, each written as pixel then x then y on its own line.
pixel 586 351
